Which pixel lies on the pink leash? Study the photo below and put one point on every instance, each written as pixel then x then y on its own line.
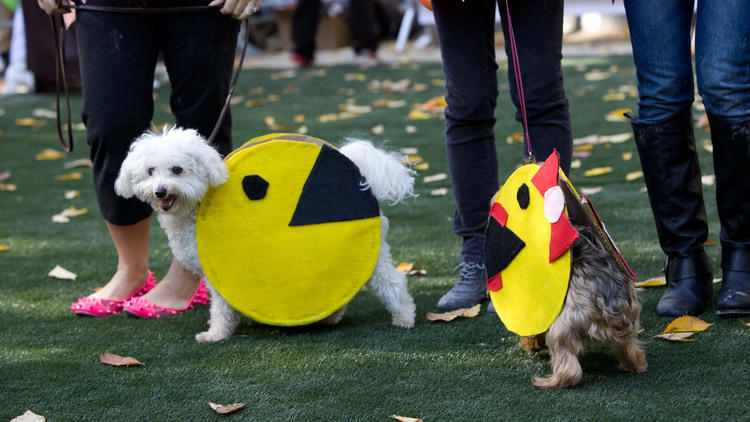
pixel 519 82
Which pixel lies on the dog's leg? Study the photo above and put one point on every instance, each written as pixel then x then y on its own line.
pixel 335 317
pixel 390 285
pixel 564 347
pixel 631 356
pixel 224 319
pixel 533 343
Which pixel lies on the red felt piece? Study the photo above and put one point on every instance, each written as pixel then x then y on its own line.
pixel 546 176
pixel 562 236
pixel 495 282
pixel 499 214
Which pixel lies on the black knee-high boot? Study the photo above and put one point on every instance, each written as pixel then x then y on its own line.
pixel 670 168
pixel 731 156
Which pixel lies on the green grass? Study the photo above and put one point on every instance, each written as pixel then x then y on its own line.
pixel 362 369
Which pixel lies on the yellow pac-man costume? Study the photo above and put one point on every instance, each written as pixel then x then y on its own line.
pixel 292 235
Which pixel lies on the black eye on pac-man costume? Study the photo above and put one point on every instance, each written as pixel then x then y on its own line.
pixel 293 234
pixel 527 245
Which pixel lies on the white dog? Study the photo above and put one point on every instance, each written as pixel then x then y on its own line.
pixel 172 171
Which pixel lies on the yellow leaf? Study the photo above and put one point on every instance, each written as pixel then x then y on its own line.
pixel 451 315
pixel 438 82
pixel 617 115
pixel 8 187
pixel 405 267
pixel 74 212
pixel 419 115
pixel 584 147
pixel 745 323
pixel 254 102
pixel 50 154
pixel 29 416
pixel 405 419
pixel 359 77
pixel 652 282
pixel 422 166
pixel 686 323
pixel 69 176
pixel 597 171
pixel 677 336
pixel 299 118
pixel 514 138
pixel 284 74
pixel 439 192
pixel 353 108
pixel 634 175
pixel 29 122
pixel 117 360
pixel 412 159
pixel 223 409
pixel 614 96
pixel 706 145
pixel 61 273
pixel 4 248
pixel 435 177
pixel 627 156
pixel 256 91
pixel 72 194
pixel 597 75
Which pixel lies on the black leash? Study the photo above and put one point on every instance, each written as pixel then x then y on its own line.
pixel 58 30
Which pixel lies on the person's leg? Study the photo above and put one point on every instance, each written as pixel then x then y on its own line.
pixel 363 26
pixel 537 26
pixel 660 35
pixel 304 27
pixel 722 56
pixel 199 55
pixel 466 35
pixel 117 59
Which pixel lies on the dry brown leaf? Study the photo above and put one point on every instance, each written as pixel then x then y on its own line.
pixel 686 323
pixel 8 187
pixel 677 336
pixel 416 272
pixel 76 175
pixel 435 177
pixel 451 315
pixel 223 409
pixel 514 138
pixel 117 360
pixel 597 171
pixel 439 192
pixel 405 267
pixel 61 273
pixel 405 419
pixel 710 242
pixel 29 416
pixel 652 282
pixel 4 175
pixel 50 154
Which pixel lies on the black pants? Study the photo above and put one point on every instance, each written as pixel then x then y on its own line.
pixel 466 35
pixel 361 20
pixel 118 53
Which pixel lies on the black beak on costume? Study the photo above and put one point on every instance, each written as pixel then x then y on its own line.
pixel 501 246
pixel 333 192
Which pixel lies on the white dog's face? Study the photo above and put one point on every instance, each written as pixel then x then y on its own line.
pixel 171 171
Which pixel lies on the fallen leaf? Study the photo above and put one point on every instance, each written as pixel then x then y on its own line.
pixel 435 178
pixel 8 187
pixel 439 192
pixel 677 336
pixel 405 419
pixel 50 154
pixel 584 147
pixel 65 215
pixel 710 242
pixel 419 115
pixel 302 130
pixel 61 273
pixel 514 138
pixel 597 171
pixel 44 113
pixel 405 267
pixel 223 409
pixel 69 176
pixel 701 121
pixel 617 115
pixel 29 416
pixel 422 166
pixel 61 219
pixel 30 122
pixel 4 175
pixel 438 82
pixel 284 74
pixel 377 130
pixel 117 360
pixel 236 100
pixel 615 139
pixel 581 154
pixel 83 162
pixel 591 191
pixel 708 180
pixel 633 175
pixel 597 75
pixel 686 323
pixel 412 159
pixel 255 102
pixel 451 315
pixel 575 164
pixel 411 129
pixel 416 272
pixel 72 194
pixel 356 109
pixel 4 248
pixel 745 323
pixel 707 145
pixel 652 282
pixel 359 77
pixel 614 96
pixel 298 118
pixel 627 156
pixel 315 73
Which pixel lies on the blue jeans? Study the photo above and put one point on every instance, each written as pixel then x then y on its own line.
pixel 660 35
pixel 466 33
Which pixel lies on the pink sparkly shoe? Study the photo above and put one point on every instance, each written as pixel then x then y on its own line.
pixel 142 308
pixel 95 307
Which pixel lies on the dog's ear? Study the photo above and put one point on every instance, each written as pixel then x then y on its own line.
pixel 211 161
pixel 126 179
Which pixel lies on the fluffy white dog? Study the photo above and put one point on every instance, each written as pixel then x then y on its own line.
pixel 172 171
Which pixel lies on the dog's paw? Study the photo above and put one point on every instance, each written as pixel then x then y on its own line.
pixel 403 321
pixel 211 336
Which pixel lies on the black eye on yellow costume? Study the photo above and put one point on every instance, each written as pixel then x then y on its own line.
pixel 292 235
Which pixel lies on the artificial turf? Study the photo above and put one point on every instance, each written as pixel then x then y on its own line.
pixel 363 369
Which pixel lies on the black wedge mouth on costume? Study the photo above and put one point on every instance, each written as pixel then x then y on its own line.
pixel 166 203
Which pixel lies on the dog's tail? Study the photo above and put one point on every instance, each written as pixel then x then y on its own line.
pixel 386 175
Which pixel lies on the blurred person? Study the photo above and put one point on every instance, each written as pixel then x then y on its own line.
pixel 661 40
pixel 363 28
pixel 117 55
pixel 466 33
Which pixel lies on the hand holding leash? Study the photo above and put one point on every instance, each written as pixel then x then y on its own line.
pixel 54 6
pixel 238 9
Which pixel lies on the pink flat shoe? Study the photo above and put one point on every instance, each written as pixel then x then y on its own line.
pixel 95 307
pixel 140 307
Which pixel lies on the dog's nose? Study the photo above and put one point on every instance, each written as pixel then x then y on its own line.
pixel 160 192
